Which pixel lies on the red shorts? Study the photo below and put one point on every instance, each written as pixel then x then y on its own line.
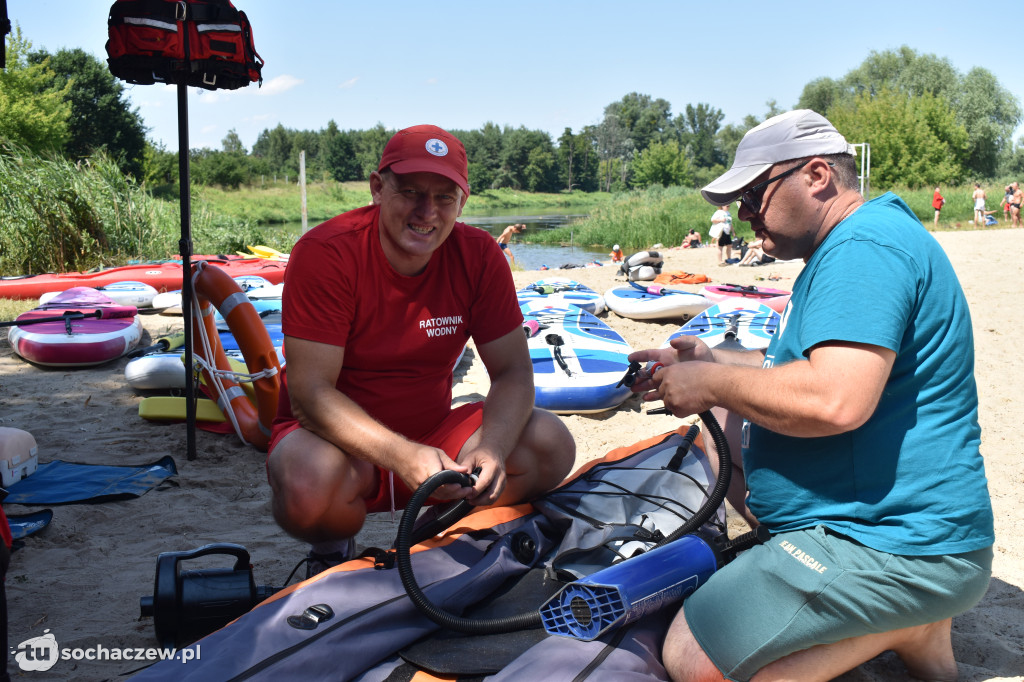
pixel 450 435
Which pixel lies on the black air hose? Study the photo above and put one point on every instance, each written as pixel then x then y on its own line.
pixel 530 619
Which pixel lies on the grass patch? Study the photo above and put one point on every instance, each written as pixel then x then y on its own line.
pixel 10 308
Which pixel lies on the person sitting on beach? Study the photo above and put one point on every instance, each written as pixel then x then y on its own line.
pixel 506 237
pixel 379 303
pixel 754 253
pixel 859 432
pixel 616 254
pixel 691 240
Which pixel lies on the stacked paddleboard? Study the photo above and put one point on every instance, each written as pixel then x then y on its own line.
pixel 654 302
pixel 560 292
pixel 138 294
pixel 577 359
pixel 734 324
pixel 80 327
pixel 264 295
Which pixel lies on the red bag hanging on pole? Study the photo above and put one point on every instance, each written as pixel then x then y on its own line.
pixel 204 43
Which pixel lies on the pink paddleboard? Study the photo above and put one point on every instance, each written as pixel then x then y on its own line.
pixel 776 299
pixel 76 342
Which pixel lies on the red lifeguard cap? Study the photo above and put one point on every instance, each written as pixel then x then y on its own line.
pixel 427 149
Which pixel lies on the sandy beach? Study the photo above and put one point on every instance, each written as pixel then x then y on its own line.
pixel 81 578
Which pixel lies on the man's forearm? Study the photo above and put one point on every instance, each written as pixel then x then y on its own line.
pixel 507 408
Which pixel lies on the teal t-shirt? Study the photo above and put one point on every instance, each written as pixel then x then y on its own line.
pixel 911 480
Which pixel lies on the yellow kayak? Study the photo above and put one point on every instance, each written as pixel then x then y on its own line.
pixel 267 252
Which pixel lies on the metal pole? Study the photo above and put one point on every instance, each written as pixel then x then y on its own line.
pixel 185 249
pixel 302 185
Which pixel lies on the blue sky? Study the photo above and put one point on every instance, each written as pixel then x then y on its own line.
pixel 542 65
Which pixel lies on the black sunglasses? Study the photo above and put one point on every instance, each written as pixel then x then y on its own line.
pixel 751 198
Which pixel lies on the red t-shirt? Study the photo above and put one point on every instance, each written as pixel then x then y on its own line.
pixel 402 335
pixel 937 200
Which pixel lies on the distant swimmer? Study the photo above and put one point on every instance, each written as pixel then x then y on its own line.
pixel 506 237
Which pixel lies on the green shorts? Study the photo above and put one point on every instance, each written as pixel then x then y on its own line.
pixel 815 586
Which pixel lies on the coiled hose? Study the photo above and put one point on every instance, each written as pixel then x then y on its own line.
pixel 531 619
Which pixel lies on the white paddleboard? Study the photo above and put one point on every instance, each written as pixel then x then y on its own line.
pixel 654 302
pixel 577 359
pixel 138 294
pixel 560 292
pixel 739 324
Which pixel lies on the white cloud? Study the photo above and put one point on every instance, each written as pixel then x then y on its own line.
pixel 279 84
pixel 349 83
pixel 431 81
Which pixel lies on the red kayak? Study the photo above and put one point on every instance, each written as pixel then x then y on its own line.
pixel 164 276
pixel 776 299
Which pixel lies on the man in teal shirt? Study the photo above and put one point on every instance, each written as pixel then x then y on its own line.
pixel 859 432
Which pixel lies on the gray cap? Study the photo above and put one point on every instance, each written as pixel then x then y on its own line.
pixel 793 135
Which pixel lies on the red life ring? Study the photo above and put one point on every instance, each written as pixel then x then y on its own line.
pixel 214 288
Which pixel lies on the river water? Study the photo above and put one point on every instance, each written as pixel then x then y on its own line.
pixel 534 256
pixel 528 256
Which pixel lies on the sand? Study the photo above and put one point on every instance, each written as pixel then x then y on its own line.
pixel 82 578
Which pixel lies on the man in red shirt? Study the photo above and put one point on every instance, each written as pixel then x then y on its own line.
pixel 378 304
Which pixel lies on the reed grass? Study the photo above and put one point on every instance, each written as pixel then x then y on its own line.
pixel 640 219
pixel 58 216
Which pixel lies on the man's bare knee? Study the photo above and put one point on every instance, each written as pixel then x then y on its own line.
pixel 316 489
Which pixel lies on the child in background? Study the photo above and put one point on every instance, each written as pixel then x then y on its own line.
pixel 616 254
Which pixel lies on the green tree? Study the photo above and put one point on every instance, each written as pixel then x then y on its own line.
pixel 645 120
pixel 369 146
pixel 987 111
pixel 527 161
pixel 212 167
pixel 100 114
pixel 915 140
pixel 698 128
pixel 32 114
pixel 614 147
pixel 820 94
pixel 990 113
pixel 662 163
pixel 483 150
pixel 160 167
pixel 340 154
pixel 232 143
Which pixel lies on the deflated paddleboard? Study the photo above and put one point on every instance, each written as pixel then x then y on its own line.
pixel 577 359
pixel 560 292
pixel 734 324
pixel 654 302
